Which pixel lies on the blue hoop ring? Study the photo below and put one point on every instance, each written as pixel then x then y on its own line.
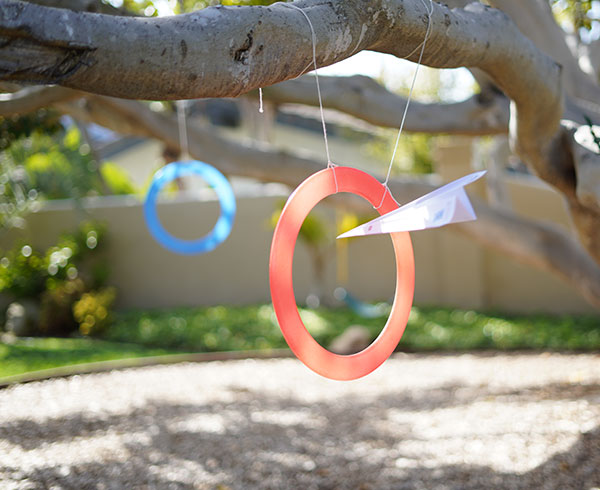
pixel 224 192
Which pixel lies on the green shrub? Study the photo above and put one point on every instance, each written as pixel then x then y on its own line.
pixel 52 163
pixel 56 316
pixel 58 168
pixel 116 179
pixel 23 272
pixel 93 311
pixel 78 255
pixel 59 277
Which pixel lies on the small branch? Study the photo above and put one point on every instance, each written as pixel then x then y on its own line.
pixel 364 98
pixel 31 99
pixel 359 96
pixel 536 21
pixel 539 244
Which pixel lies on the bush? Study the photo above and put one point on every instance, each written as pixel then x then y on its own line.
pixel 116 179
pixel 50 164
pixel 56 317
pixel 92 311
pixel 57 279
pixel 23 273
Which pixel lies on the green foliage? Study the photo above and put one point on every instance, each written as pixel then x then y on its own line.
pixel 57 168
pixel 446 329
pixel 576 15
pixel 191 5
pixel 221 328
pixel 116 179
pixel 59 277
pixel 56 317
pixel 13 128
pixel 93 311
pixel 203 329
pixel 41 165
pixel 76 256
pixel 17 198
pixel 34 354
pixel 151 8
pixel 23 272
pixel 313 231
pixel 54 164
pixel 26 273
pixel 347 222
pixel 414 154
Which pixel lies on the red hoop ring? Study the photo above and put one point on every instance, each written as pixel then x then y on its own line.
pixel 308 194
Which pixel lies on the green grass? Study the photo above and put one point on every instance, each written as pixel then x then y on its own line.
pixel 445 329
pixel 429 329
pixel 33 354
pixel 221 328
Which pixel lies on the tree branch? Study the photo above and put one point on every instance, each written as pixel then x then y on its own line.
pixel 31 99
pixel 364 98
pixel 359 96
pixel 95 6
pixel 219 51
pixel 535 20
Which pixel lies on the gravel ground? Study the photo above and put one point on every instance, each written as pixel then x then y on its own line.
pixel 431 422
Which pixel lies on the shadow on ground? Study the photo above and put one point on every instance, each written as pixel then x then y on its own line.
pixel 279 442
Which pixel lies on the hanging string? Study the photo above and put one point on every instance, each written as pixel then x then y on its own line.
pixel 182 127
pixel 422 45
pixel 410 93
pixel 314 63
pixel 260 101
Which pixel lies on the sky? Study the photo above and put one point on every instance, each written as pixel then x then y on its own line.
pixel 394 72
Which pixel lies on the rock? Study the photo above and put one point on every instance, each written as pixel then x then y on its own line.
pixel 354 339
pixel 22 318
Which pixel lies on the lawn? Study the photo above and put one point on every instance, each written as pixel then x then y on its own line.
pixel 37 353
pixel 221 328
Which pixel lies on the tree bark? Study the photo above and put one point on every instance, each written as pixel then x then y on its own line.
pixel 218 52
pixel 358 96
pixel 364 98
pixel 31 99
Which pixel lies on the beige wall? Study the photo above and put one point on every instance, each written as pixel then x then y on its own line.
pixel 450 270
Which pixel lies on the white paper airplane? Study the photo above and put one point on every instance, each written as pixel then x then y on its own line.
pixel 445 205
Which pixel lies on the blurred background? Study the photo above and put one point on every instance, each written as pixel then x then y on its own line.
pixel 79 265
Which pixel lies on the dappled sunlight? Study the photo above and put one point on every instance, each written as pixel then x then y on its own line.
pixel 511 421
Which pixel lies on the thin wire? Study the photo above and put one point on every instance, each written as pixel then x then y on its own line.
pixel 412 86
pixel 314 48
pixel 410 93
pixel 182 127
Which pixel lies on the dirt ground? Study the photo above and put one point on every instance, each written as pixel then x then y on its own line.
pixel 526 421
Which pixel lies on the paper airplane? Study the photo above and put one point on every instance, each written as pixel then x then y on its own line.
pixel 445 205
